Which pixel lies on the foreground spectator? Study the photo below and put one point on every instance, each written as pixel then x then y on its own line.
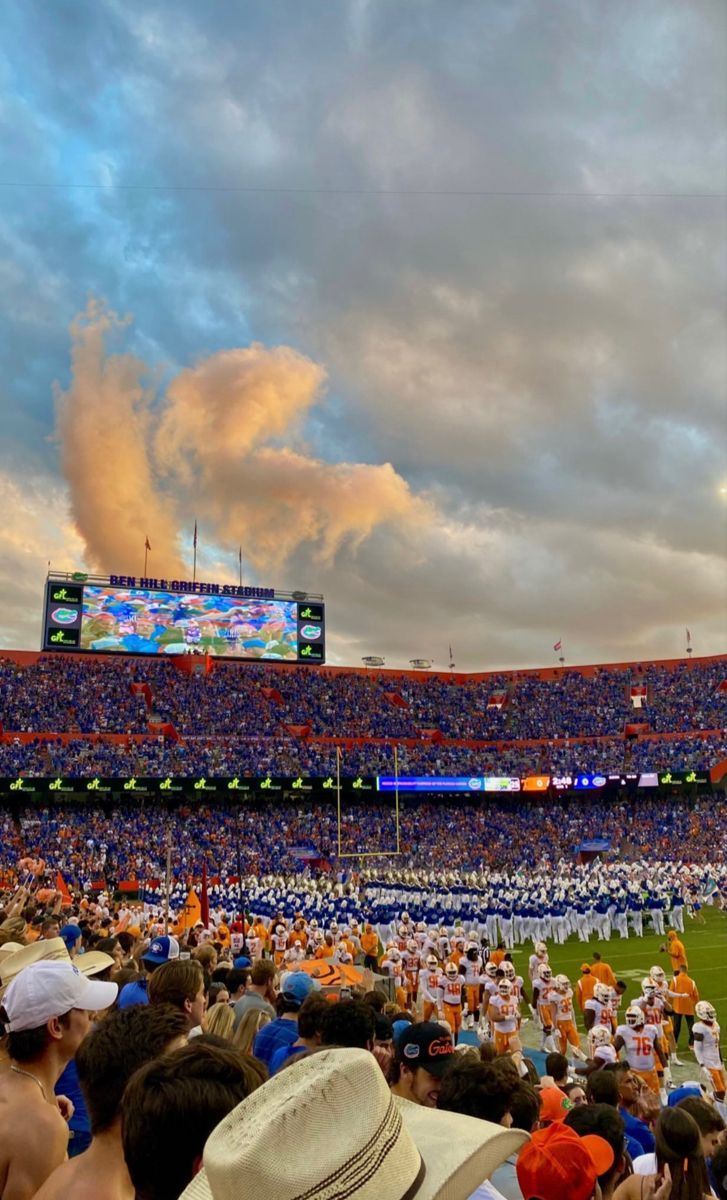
pixel 708 1121
pixel 283 1031
pixel 46 1012
pixel 605 1122
pixel 181 984
pixel 681 1170
pixel 106 1060
pixel 175 1102
pixel 161 950
pixel 356 1141
pixel 423 1053
pixel 558 1165
pixel 313 1012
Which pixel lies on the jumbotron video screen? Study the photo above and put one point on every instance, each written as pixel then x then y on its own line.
pixel 226 622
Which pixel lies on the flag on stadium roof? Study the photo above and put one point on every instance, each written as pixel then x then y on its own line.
pixel 558 645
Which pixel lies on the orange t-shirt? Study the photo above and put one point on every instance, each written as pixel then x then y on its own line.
pixel 603 974
pixel 584 990
pixel 370 943
pixel 497 957
pixel 677 954
pixel 688 995
pixel 324 952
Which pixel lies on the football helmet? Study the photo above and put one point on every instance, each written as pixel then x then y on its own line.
pixel 411 946
pixel 504 988
pixel 394 955
pixel 509 969
pixel 405 917
pixel 648 987
pixel 562 983
pixel 602 993
pixel 490 969
pixel 541 949
pixel 635 1016
pixel 545 973
pixel 601 1035
pixel 451 970
pixel 657 974
pixel 705 1011
pixel 280 929
pixel 432 962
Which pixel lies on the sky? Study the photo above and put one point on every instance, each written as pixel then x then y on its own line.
pixel 422 304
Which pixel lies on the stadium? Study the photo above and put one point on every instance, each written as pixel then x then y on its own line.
pixel 363 669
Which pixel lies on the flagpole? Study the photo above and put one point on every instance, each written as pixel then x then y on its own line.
pixel 146 555
pixel 194 563
pixel 240 561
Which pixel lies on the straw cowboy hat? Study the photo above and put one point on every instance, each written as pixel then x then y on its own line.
pixel 360 1142
pixel 46 950
pixel 93 962
pixel 9 948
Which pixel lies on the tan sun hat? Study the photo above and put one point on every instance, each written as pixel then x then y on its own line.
pixel 459 1152
pixel 46 950
pixel 9 948
pixel 360 1141
pixel 93 962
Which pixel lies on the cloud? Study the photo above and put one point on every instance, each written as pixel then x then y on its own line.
pixel 208 446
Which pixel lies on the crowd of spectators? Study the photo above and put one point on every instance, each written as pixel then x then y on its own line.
pixel 86 843
pixel 94 694
pixel 185 1071
pixel 287 756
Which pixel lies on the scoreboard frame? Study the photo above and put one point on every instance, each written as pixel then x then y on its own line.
pixel 63 616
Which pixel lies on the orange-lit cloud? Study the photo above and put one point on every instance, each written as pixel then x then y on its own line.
pixel 210 448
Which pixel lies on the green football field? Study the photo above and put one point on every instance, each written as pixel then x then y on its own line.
pixel 706 948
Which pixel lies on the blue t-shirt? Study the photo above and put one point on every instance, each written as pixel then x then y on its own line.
pixel 638 1130
pixel 282 1054
pixel 280 1032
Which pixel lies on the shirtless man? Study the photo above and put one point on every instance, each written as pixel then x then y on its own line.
pixel 46 1012
pixel 109 1056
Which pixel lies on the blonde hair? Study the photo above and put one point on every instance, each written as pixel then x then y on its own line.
pixel 250 1024
pixel 221 1020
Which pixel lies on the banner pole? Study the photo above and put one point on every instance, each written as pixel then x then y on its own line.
pixel 338 795
pixel 396 796
pixel 168 881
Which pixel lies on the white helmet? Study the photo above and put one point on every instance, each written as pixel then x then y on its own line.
pixel 657 974
pixel 705 1011
pixel 601 1035
pixel 648 987
pixel 451 970
pixel 405 916
pixel 635 1016
pixel 333 926
pixel 602 993
pixel 509 969
pixel 545 973
pixel 394 955
pixel 411 947
pixel 432 962
pixel 421 927
pixel 541 949
pixel 562 983
pixel 491 969
pixel 504 987
pixel 318 935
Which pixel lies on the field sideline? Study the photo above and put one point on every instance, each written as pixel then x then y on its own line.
pixel 706 948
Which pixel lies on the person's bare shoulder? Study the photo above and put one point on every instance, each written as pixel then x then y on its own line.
pixel 37 1140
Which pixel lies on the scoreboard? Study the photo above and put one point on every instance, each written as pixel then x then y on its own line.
pixel 118 614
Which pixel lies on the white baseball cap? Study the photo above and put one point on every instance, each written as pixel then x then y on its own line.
pixel 49 989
